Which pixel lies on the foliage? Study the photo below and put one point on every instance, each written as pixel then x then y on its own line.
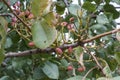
pixel 46 40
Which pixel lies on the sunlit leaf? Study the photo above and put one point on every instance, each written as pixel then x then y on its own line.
pixel 51 70
pixel 106 70
pixel 50 19
pixel 78 52
pixel 43 34
pixel 38 6
pixel 3 28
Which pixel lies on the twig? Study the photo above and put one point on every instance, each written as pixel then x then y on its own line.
pixel 98 64
pixel 16 15
pixel 101 35
pixel 88 72
pixel 38 51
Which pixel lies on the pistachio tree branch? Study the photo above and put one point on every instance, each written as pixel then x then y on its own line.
pixel 63 47
pixel 101 35
pixel 39 51
pixel 5 2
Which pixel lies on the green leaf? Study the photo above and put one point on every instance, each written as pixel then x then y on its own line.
pixel 112 62
pixel 107 1
pixel 18 63
pixel 117 57
pixel 89 6
pixel 50 18
pixel 38 6
pixel 111 9
pixel 116 78
pixel 3 27
pixel 51 70
pixel 43 34
pixel 116 1
pixel 78 52
pixel 99 28
pixel 64 62
pixel 12 1
pixel 60 7
pixel 77 78
pixel 106 69
pixel 8 42
pixel 38 73
pixel 5 78
pixel 102 19
pixel 73 8
pixel 103 78
pixel 3 7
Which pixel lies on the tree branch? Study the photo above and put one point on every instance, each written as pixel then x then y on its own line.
pixel 101 35
pixel 39 51
pixel 63 47
pixel 16 14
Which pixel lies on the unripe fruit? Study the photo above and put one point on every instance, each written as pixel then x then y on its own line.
pixel 70 26
pixel 64 24
pixel 18 3
pixel 13 23
pixel 31 16
pixel 31 44
pixel 27 12
pixel 14 6
pixel 21 14
pixel 81 69
pixel 14 19
pixel 72 19
pixel 69 68
pixel 70 50
pixel 59 51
